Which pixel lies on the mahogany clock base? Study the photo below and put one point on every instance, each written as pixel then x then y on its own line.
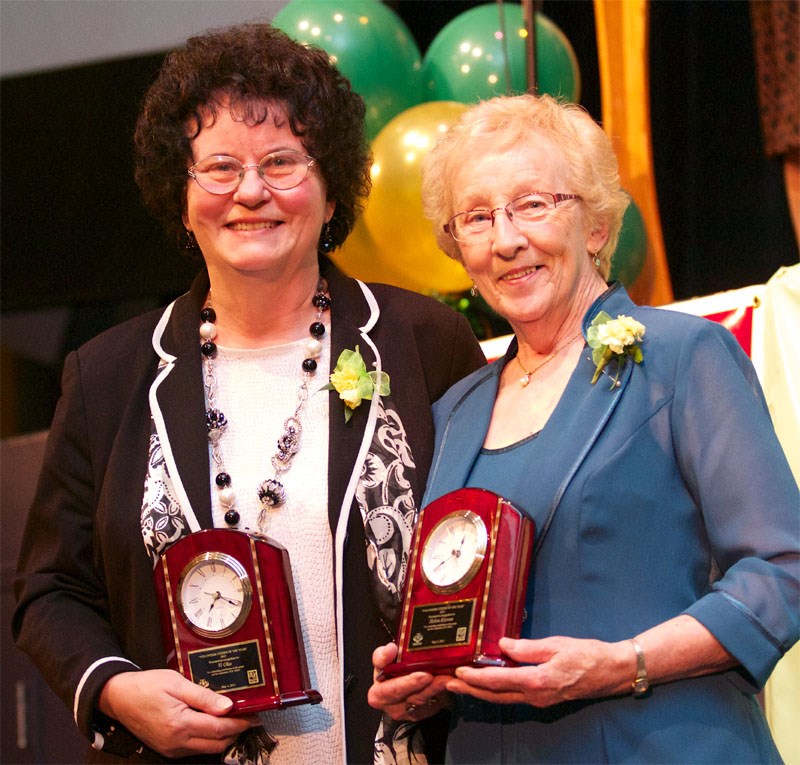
pixel 445 665
pixel 242 706
pixel 229 619
pixel 467 580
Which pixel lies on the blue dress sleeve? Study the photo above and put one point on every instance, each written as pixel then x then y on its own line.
pixel 733 463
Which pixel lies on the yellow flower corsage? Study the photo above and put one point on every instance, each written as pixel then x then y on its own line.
pixel 351 380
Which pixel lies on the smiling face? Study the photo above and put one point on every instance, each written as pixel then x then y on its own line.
pixel 540 275
pixel 255 229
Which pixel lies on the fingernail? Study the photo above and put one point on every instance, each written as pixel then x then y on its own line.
pixel 223 703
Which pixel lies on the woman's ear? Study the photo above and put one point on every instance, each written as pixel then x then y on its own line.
pixel 597 238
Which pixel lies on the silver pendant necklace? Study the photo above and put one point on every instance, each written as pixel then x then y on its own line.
pixel 271 492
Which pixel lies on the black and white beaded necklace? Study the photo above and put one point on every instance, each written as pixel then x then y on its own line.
pixel 271 492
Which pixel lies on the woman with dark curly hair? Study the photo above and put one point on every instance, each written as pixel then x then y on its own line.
pixel 250 151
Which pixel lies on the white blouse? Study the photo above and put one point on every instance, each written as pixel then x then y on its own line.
pixel 256 391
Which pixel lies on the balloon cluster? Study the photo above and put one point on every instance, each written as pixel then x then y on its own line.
pixel 411 101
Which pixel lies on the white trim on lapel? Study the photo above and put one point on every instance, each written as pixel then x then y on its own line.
pixel 374 308
pixel 347 501
pixel 165 367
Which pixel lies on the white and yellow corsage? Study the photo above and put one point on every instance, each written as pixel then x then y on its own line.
pixel 614 339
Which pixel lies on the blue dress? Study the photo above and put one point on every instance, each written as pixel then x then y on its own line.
pixel 667 495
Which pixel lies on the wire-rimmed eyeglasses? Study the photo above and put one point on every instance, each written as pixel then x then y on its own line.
pixel 475 226
pixel 281 170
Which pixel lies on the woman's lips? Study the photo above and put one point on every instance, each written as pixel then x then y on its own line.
pixel 519 273
pixel 255 226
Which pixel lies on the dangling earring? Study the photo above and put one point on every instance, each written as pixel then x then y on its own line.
pixel 473 290
pixel 190 243
pixel 326 240
pixel 596 259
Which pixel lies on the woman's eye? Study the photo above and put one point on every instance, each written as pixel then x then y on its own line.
pixel 281 161
pixel 478 216
pixel 223 167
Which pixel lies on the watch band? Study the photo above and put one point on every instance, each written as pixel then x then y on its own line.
pixel 641 685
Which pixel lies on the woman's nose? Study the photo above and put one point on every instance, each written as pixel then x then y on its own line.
pixel 507 239
pixel 252 189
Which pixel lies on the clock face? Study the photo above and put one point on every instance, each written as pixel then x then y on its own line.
pixel 453 552
pixel 214 594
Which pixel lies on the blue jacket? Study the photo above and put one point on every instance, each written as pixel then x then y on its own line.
pixel 668 494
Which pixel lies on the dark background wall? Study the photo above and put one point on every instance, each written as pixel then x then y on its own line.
pixel 79 253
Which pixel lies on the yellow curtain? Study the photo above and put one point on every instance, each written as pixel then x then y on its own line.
pixel 622 45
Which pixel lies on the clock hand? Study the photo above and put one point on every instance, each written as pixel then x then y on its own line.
pixel 453 554
pixel 463 537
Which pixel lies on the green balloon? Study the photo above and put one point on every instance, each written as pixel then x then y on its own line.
pixel 631 252
pixel 371 46
pixel 474 57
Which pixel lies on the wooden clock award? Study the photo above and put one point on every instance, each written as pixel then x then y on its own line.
pixel 466 585
pixel 229 619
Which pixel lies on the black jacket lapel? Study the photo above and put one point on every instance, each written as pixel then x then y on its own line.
pixel 181 401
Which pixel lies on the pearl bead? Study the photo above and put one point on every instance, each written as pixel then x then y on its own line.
pixel 208 331
pixel 314 348
pixel 227 496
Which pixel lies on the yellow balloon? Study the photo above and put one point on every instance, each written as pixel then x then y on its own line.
pixel 404 240
pixel 361 258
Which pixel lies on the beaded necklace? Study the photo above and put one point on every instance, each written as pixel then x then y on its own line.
pixel 271 492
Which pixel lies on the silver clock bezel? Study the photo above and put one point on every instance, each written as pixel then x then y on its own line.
pixel 247 593
pixel 481 539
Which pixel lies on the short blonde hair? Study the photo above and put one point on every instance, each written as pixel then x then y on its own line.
pixel 593 171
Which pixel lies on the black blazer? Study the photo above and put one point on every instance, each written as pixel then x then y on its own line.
pixel 86 601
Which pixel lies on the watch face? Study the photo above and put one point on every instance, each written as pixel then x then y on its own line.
pixel 453 552
pixel 214 593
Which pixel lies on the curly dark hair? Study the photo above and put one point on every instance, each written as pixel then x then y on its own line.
pixel 247 65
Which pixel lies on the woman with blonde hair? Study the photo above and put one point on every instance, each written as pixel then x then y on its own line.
pixel 664 583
